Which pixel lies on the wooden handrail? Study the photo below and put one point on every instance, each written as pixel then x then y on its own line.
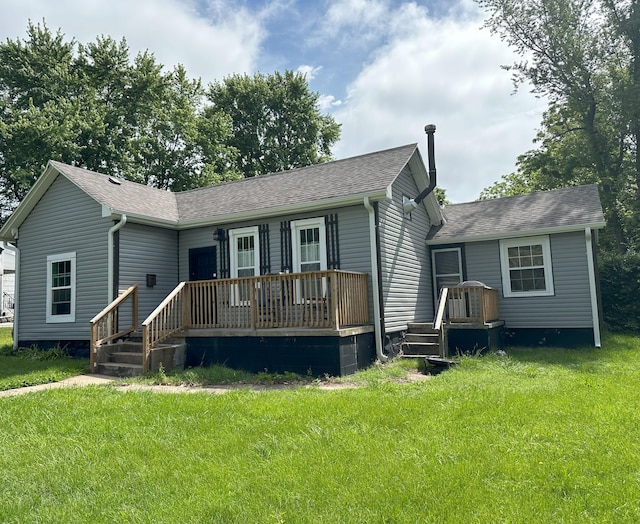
pixel 438 323
pixel 104 326
pixel 441 311
pixel 164 321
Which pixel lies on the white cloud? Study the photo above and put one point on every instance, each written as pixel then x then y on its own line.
pixel 326 102
pixel 309 71
pixel 229 41
pixel 444 72
pixel 354 23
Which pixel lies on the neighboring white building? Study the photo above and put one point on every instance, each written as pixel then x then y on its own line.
pixel 7 281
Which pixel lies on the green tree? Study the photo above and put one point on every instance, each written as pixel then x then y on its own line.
pixel 584 56
pixel 96 107
pixel 276 122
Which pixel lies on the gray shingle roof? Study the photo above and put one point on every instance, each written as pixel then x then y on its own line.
pixel 359 175
pixel 125 196
pixel 341 178
pixel 567 208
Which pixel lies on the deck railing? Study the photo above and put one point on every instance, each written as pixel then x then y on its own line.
pixel 328 299
pixel 105 326
pixel 477 304
pixel 165 321
pixel 317 299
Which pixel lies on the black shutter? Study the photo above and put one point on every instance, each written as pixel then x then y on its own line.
pixel 265 249
pixel 286 256
pixel 333 242
pixel 225 260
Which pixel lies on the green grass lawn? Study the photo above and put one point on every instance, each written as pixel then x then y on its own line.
pixel 537 436
pixel 31 367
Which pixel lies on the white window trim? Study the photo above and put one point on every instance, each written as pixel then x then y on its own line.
pixel 71 317
pixel 296 226
pixel 435 275
pixel 234 234
pixel 548 268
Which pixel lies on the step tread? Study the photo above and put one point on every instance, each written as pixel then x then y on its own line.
pixel 120 365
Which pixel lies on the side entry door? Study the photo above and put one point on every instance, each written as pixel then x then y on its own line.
pixel 446 265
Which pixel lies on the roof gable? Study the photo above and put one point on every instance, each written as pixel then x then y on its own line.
pixel 567 209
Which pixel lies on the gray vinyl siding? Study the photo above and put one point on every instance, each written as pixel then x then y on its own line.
pixel 405 264
pixel 353 232
pixel 569 307
pixel 148 250
pixel 65 220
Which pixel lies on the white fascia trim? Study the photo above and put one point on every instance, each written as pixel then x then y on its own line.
pixel 592 288
pixel 115 214
pixel 318 205
pixel 516 234
pixel 28 202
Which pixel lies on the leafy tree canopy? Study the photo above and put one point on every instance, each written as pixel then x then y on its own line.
pixel 276 123
pixel 584 56
pixel 95 106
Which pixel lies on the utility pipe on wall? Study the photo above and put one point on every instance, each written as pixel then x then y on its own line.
pixel 110 275
pixel 374 281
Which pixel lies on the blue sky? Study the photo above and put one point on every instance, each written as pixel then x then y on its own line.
pixel 383 68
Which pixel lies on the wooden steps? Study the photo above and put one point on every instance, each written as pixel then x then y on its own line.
pixel 123 358
pixel 421 340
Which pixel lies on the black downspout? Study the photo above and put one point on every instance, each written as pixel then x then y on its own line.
pixel 376 215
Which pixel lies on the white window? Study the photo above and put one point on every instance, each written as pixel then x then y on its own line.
pixel 245 259
pixel 61 288
pixel 526 267
pixel 309 245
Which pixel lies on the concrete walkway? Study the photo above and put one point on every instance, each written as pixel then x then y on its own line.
pixel 77 381
pixel 101 380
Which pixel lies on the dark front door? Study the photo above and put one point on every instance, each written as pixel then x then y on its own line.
pixel 202 263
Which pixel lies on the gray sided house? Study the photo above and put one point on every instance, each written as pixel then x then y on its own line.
pixel 317 269
pixel 83 238
pixel 538 251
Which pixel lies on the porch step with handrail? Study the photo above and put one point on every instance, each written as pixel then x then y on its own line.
pixel 421 340
pixel 124 358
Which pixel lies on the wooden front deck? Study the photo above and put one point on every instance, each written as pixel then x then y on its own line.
pixel 319 303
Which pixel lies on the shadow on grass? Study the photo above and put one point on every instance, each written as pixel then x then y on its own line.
pixel 615 348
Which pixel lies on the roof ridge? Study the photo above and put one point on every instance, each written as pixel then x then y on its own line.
pixel 298 169
pixel 509 197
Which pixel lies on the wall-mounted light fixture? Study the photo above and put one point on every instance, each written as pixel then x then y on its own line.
pixel 220 234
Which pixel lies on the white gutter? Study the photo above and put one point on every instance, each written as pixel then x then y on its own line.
pixel 374 281
pixel 592 288
pixel 110 276
pixel 16 291
pixel 515 234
